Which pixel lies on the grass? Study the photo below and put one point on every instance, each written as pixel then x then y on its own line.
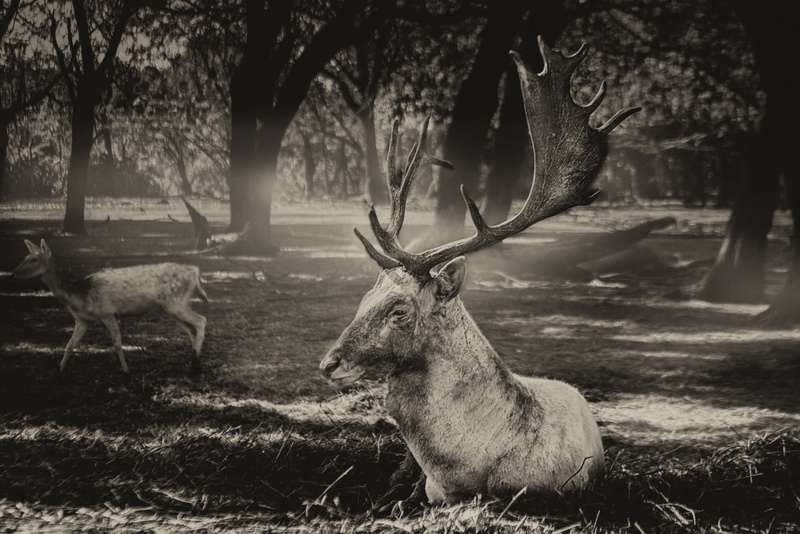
pixel 698 407
pixel 307 479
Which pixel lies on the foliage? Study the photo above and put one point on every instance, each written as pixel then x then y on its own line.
pixel 38 153
pixel 689 64
pixel 691 67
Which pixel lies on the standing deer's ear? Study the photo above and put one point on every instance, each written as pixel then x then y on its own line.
pixel 45 250
pixel 33 249
pixel 448 281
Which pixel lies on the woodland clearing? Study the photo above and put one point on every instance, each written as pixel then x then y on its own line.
pixel 697 404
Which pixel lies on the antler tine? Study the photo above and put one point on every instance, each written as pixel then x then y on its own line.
pixel 617 119
pixel 567 155
pixel 592 106
pixel 400 191
pixel 570 63
pixel 399 183
pixel 382 259
pixel 417 151
pixel 391 157
pixel 475 214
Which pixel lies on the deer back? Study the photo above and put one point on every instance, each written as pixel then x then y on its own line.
pixel 139 289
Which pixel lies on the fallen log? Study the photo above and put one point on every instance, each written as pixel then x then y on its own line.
pixel 589 255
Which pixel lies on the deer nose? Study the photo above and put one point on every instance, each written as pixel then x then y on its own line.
pixel 329 364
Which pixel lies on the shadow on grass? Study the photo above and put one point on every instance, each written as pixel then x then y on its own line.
pixel 180 468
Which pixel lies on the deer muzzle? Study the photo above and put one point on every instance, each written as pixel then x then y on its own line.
pixel 22 273
pixel 339 371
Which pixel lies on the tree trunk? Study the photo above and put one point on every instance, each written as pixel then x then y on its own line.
pixel 174 146
pixel 511 137
pixel 375 189
pixel 472 114
pixel 309 167
pixel 785 308
pixel 82 141
pixel 260 185
pixel 115 188
pixel 244 97
pixel 3 154
pixel 509 152
pixel 738 272
pixel 183 175
pixel 258 238
pixel 342 174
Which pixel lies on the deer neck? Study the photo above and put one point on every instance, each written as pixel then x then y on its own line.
pixel 70 293
pixel 463 386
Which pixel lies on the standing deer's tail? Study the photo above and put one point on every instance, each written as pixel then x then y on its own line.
pixel 198 288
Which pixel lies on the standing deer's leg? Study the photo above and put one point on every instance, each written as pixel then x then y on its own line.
pixel 186 315
pixel 186 327
pixel 112 326
pixel 80 329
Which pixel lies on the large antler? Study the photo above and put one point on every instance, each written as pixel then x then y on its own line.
pixel 568 153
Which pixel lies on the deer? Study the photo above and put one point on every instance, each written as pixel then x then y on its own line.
pixel 106 295
pixel 471 424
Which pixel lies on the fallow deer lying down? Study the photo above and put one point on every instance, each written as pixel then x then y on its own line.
pixel 473 426
pixel 111 293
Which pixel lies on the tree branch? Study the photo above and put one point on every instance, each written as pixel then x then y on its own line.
pixel 8 17
pixel 84 36
pixel 36 97
pixel 129 8
pixel 62 61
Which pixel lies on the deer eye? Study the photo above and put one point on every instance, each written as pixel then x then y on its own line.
pixel 34 260
pixel 399 313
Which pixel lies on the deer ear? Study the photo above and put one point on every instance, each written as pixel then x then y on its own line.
pixel 45 249
pixel 33 249
pixel 448 281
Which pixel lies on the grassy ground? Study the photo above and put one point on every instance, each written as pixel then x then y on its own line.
pixel 698 407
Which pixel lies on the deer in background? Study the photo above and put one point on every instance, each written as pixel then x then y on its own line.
pixel 112 293
pixel 472 425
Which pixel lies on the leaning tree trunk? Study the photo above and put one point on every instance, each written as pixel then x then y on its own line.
pixel 82 141
pixel 374 186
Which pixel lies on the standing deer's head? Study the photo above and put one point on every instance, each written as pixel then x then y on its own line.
pixel 36 263
pixel 410 304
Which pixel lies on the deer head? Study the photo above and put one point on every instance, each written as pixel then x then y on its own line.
pixel 35 263
pixel 390 330
pixel 412 305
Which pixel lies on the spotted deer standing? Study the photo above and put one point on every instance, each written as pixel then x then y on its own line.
pixel 111 293
pixel 472 425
